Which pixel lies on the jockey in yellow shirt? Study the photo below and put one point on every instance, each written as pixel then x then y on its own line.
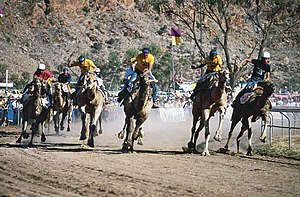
pixel 213 63
pixel 85 65
pixel 144 61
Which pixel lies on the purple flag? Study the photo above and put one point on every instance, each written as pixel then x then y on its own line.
pixel 175 32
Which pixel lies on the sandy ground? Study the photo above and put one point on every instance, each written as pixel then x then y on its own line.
pixel 60 167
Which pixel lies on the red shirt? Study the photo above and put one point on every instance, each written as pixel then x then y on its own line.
pixel 43 74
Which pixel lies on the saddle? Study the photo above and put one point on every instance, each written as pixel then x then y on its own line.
pixel 250 95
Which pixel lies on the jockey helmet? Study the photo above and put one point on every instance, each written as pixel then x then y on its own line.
pixel 81 59
pixel 265 55
pixel 97 70
pixel 146 50
pixel 66 69
pixel 42 67
pixel 213 53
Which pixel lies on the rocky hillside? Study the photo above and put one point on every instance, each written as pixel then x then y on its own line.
pixel 53 31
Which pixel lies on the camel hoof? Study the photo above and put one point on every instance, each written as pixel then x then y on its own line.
pixel 25 135
pixel 62 128
pixel 91 143
pixel 121 135
pixel 187 150
pixel 139 142
pixel 249 153
pixel 264 140
pixel 82 137
pixel 205 153
pixel 224 150
pixel 18 141
pixel 134 136
pixel 100 132
pixel 30 144
pixel 191 145
pixel 68 129
pixel 125 149
pixel 43 138
pixel 217 138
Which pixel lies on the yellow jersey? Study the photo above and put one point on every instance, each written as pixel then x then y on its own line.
pixel 214 64
pixel 143 62
pixel 87 66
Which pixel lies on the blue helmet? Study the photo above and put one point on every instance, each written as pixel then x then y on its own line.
pixel 146 50
pixel 81 58
pixel 66 69
pixel 213 53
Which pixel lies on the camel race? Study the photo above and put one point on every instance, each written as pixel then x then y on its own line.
pixel 149 98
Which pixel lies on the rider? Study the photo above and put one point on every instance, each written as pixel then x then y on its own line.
pixel 261 72
pixel 144 61
pixel 65 78
pixel 41 73
pixel 85 65
pixel 213 62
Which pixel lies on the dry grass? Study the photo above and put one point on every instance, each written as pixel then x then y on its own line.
pixel 280 148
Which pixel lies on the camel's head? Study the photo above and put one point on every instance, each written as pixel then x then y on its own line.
pixel 58 88
pixel 91 81
pixel 269 88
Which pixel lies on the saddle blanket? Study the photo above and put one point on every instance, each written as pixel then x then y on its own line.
pixel 246 97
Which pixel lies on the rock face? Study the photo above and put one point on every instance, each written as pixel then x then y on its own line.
pixel 54 31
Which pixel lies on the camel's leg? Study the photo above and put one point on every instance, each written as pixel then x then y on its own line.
pixel 129 130
pixel 266 122
pixel 206 115
pixel 191 144
pixel 62 121
pixel 43 137
pixel 23 133
pixel 56 121
pixel 69 114
pixel 83 125
pixel 93 122
pixel 121 134
pixel 34 130
pixel 140 136
pixel 234 122
pixel 196 135
pixel 245 126
pixel 218 135
pixel 250 134
pixel 100 131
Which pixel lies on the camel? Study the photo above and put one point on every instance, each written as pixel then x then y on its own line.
pixel 62 104
pixel 206 103
pixel 136 107
pixel 257 107
pixel 90 103
pixel 35 110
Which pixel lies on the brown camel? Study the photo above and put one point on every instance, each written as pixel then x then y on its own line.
pixel 90 104
pixel 137 107
pixel 35 110
pixel 62 104
pixel 207 101
pixel 257 106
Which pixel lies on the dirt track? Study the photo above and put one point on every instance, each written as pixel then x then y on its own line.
pixel 159 168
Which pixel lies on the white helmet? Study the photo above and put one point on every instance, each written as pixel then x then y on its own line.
pixel 97 70
pixel 265 55
pixel 42 66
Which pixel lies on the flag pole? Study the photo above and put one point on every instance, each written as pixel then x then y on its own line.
pixel 173 69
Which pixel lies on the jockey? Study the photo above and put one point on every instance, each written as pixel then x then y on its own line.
pixel 144 61
pixel 41 73
pixel 65 79
pixel 85 65
pixel 213 62
pixel 260 73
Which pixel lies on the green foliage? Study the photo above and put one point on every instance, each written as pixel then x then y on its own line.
pixel 163 70
pixel 131 53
